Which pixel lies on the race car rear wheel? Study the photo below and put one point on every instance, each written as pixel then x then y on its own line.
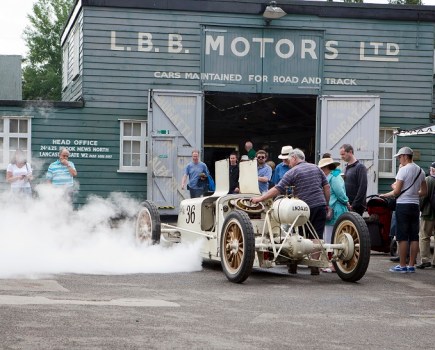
pixel 353 261
pixel 237 246
pixel 148 229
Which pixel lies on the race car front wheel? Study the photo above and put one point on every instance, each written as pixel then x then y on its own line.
pixel 237 247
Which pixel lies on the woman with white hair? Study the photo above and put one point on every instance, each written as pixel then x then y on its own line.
pixel 19 174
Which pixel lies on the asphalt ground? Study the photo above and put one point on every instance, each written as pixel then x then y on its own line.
pixel 203 310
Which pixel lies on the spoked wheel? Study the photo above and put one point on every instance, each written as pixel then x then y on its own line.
pixel 353 261
pixel 237 247
pixel 148 228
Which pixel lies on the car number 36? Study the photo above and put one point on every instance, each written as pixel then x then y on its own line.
pixel 190 218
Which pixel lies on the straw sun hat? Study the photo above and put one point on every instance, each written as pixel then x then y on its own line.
pixel 327 161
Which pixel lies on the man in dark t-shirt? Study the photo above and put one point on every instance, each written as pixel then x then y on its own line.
pixel 355 179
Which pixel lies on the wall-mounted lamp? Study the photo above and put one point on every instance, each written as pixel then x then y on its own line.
pixel 273 12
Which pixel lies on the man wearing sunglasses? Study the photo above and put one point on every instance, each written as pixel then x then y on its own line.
pixel 264 171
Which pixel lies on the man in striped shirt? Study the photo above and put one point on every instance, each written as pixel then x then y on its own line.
pixel 310 185
pixel 61 172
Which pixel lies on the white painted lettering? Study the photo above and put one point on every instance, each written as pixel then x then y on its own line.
pixel 333 52
pixel 375 55
pixel 376 45
pixel 214 44
pixel 113 45
pixel 244 42
pixel 174 43
pixel 262 42
pixel 308 47
pixel 289 44
pixel 144 42
pixel 392 49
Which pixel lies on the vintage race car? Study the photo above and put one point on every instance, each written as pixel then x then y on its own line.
pixel 242 235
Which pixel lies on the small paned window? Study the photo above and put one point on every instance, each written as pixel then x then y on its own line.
pixel 387 147
pixel 65 58
pixel 133 145
pixel 15 133
pixel 76 54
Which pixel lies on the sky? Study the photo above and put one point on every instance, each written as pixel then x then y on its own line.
pixel 13 20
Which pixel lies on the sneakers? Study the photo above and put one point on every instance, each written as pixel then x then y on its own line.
pixel 399 269
pixel 423 265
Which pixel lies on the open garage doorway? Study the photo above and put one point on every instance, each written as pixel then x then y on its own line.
pixel 269 121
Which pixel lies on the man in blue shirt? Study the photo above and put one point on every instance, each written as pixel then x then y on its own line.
pixel 282 167
pixel 61 172
pixel 197 173
pixel 264 171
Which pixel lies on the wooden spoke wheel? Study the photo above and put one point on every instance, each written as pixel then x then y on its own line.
pixel 237 246
pixel 353 261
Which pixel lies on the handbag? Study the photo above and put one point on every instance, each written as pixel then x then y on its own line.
pixel 391 202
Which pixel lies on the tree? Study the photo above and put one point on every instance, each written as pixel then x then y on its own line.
pixel 42 73
pixel 405 2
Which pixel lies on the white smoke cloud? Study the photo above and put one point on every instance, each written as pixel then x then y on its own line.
pixel 45 236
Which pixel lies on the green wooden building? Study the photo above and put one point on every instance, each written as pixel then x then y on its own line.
pixel 146 82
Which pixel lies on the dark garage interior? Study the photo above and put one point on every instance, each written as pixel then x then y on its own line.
pixel 269 121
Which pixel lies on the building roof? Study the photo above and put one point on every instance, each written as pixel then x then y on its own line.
pixel 316 8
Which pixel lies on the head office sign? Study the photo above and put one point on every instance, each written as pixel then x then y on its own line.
pixel 262 60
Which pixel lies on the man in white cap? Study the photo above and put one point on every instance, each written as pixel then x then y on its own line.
pixel 282 167
pixel 427 222
pixel 409 186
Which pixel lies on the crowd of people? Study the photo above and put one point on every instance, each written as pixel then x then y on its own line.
pixel 330 191
pixel 60 174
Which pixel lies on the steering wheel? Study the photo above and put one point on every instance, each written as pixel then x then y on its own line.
pixel 246 205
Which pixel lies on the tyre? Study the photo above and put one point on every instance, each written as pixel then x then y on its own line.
pixel 148 229
pixel 237 247
pixel 353 261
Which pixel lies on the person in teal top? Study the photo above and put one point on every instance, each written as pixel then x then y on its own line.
pixel 338 200
pixel 61 173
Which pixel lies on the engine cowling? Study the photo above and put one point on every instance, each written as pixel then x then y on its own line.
pixel 287 210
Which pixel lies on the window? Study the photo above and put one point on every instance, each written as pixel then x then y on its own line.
pixel 76 54
pixel 133 146
pixel 65 59
pixel 14 134
pixel 387 146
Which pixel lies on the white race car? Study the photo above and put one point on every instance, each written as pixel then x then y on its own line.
pixel 242 235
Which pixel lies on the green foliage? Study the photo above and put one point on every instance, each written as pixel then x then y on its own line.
pixel 405 2
pixel 42 73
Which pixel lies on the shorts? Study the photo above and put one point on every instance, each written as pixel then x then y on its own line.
pixel 408 222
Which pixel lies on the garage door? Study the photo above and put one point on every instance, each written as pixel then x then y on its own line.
pixel 353 120
pixel 175 130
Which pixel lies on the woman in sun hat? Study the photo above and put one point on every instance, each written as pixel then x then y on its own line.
pixel 338 200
